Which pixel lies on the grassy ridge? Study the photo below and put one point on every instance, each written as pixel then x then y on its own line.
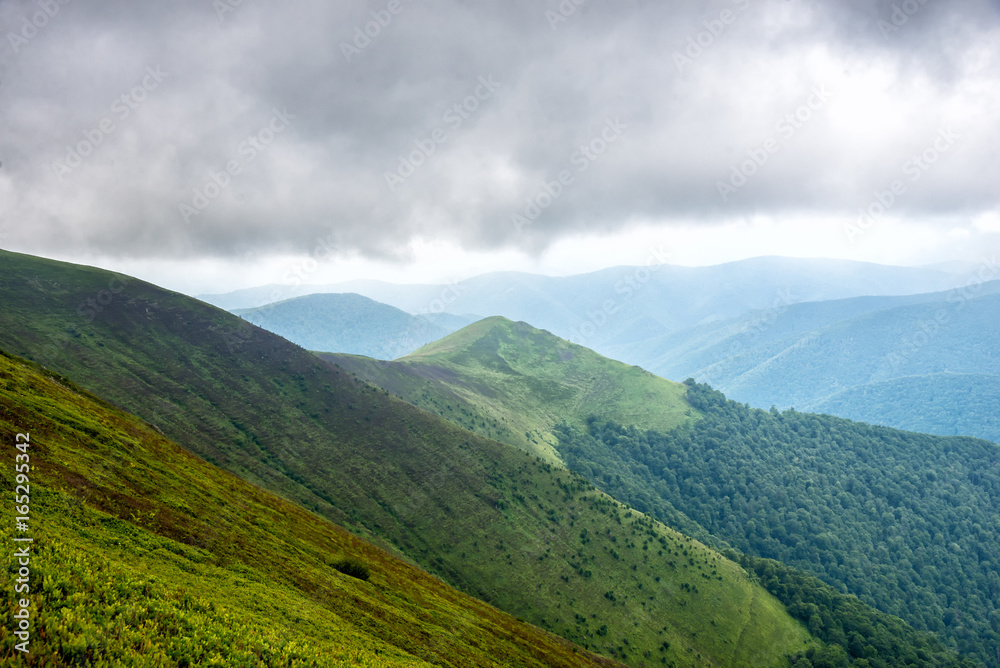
pixel 514 383
pixel 486 517
pixel 146 554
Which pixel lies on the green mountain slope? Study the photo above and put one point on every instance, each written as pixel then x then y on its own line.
pixel 907 522
pixel 486 517
pixel 515 383
pixel 948 404
pixel 768 485
pixel 145 555
pixel 349 323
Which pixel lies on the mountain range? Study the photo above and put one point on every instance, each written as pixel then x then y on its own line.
pixel 895 518
pixel 489 519
pixel 494 514
pixel 924 362
pixel 867 342
pixel 623 304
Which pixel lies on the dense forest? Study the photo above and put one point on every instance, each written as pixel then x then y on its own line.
pixel 907 522
pixel 857 635
pixel 943 403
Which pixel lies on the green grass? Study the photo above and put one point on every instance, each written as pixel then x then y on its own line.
pixel 514 383
pixel 146 555
pixel 486 517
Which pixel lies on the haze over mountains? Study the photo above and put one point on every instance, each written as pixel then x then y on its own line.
pixel 905 347
pixel 926 363
pixel 624 304
pixel 611 309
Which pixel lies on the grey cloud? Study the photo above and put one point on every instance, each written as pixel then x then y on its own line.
pixel 356 114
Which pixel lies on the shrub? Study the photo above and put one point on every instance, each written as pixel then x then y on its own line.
pixel 353 567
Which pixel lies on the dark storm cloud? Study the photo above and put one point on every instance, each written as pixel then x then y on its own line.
pixel 219 129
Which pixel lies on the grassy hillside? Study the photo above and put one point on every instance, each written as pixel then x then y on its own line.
pixel 145 554
pixel 486 517
pixel 515 383
pixel 348 323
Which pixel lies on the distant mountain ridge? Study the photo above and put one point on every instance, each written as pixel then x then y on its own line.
pixel 350 323
pixel 926 362
pixel 623 304
pixel 759 329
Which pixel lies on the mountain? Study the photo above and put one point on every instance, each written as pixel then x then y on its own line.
pixel 419 298
pixel 515 383
pixel 350 323
pixel 622 305
pixel 924 362
pixel 532 539
pixel 896 518
pixel 144 553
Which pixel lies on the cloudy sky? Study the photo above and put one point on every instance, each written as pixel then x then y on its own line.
pixel 214 144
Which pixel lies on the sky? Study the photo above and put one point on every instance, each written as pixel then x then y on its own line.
pixel 209 145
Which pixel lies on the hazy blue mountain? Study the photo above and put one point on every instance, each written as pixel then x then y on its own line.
pixel 612 307
pixel 945 403
pixel 351 323
pixel 417 297
pixel 926 362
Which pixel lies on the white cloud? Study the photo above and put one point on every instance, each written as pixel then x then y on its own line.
pixel 988 221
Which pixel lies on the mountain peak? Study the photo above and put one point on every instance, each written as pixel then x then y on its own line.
pixel 467 336
pixel 523 381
